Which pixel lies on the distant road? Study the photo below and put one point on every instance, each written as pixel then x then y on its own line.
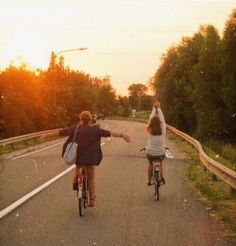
pixel 126 212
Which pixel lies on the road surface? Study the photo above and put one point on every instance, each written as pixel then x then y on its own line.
pixel 126 212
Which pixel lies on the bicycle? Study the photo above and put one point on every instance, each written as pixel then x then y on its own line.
pixel 82 191
pixel 156 175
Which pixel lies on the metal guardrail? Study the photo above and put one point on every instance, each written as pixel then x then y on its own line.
pixel 224 173
pixel 227 175
pixel 7 141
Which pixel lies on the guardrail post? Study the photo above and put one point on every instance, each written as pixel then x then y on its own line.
pixel 12 146
pixel 214 177
pixel 233 192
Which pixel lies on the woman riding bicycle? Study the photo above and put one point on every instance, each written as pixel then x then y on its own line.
pixel 89 153
pixel 156 140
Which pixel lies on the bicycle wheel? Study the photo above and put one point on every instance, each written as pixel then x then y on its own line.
pixel 157 185
pixel 80 199
pixel 85 193
pixel 81 206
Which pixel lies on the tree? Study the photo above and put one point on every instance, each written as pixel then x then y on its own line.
pixel 207 86
pixel 124 106
pixel 228 74
pixel 136 92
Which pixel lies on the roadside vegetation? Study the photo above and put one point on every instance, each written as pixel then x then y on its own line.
pixel 195 84
pixel 215 194
pixel 9 148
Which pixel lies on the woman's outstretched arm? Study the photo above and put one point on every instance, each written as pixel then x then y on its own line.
pixel 121 135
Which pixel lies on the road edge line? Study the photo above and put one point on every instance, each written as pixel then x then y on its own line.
pixel 19 202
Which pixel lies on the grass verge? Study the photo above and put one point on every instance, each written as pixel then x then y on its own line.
pixel 216 195
pixel 22 145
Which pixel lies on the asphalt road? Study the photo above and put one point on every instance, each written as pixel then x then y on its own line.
pixel 126 212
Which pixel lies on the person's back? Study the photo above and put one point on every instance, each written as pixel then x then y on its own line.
pixel 155 148
pixel 156 144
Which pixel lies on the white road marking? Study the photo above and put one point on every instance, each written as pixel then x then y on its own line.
pixel 17 203
pixel 14 205
pixel 168 154
pixel 30 153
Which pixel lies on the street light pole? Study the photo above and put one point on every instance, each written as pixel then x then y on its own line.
pixel 69 50
pixel 55 55
pixel 139 101
pixel 53 62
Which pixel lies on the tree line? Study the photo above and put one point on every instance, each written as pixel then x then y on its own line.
pixel 196 83
pixel 31 101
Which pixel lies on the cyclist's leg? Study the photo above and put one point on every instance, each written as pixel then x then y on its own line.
pixel 161 168
pixel 91 181
pixel 150 169
pixel 161 172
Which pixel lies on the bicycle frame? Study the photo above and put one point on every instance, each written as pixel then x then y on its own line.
pixel 82 192
pixel 156 175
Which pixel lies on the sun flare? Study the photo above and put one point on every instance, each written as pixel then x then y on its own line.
pixel 28 48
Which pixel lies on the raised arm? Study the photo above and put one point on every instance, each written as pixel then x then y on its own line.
pixel 161 116
pixel 153 113
pixel 157 110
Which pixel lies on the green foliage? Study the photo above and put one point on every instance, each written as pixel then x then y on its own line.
pixel 50 99
pixel 196 83
pixel 228 74
pixel 221 152
pixel 138 98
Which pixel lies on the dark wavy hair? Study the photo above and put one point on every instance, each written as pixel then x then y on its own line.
pixel 154 126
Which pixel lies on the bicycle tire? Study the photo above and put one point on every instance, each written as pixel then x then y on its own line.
pixel 85 194
pixel 157 185
pixel 81 206
pixel 157 192
pixel 80 200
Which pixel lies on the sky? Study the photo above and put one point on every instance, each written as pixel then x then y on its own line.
pixel 124 39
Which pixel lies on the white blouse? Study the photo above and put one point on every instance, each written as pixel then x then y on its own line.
pixel 156 144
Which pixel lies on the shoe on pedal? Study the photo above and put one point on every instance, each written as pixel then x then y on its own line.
pixel 163 180
pixel 92 201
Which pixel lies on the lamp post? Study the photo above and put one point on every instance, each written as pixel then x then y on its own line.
pixel 139 100
pixel 69 50
pixel 105 76
pixel 55 55
pixel 53 61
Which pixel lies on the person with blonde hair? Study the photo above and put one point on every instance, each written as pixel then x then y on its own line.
pixel 156 140
pixel 89 153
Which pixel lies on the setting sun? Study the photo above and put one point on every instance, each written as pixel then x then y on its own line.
pixel 121 36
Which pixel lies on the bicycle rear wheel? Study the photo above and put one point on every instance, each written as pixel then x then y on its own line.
pixel 85 193
pixel 81 206
pixel 157 192
pixel 157 185
pixel 80 199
